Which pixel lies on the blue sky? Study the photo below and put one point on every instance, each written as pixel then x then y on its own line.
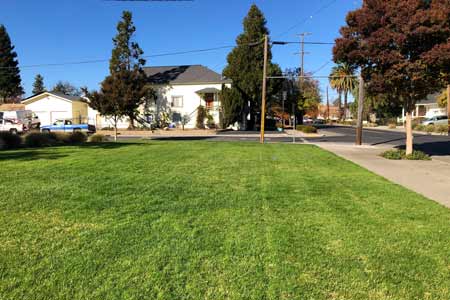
pixel 58 31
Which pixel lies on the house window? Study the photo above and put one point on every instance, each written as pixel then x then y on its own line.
pixel 177 101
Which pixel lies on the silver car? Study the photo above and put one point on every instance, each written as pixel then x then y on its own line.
pixel 436 120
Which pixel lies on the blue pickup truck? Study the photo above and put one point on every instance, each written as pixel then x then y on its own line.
pixel 68 126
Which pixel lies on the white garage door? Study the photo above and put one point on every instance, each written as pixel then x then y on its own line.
pixel 44 117
pixel 58 115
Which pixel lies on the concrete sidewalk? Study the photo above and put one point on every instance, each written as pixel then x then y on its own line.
pixel 429 178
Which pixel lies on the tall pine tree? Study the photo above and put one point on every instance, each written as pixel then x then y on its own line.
pixel 125 89
pixel 245 67
pixel 10 81
pixel 127 58
pixel 38 85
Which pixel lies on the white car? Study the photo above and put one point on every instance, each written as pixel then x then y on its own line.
pixel 436 120
pixel 11 126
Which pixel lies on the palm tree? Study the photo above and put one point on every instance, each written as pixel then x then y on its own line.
pixel 343 79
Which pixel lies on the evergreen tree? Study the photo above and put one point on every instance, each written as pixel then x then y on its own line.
pixel 38 85
pixel 245 66
pixel 10 81
pixel 127 58
pixel 66 88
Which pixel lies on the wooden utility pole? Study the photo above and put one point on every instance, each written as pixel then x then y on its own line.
pixel 359 125
pixel 328 107
pixel 264 88
pixel 448 108
pixel 302 64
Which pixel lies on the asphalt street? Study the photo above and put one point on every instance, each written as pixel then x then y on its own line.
pixel 431 144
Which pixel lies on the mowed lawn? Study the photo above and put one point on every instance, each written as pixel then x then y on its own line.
pixel 207 220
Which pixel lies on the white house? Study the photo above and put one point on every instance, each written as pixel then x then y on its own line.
pixel 427 108
pixel 181 90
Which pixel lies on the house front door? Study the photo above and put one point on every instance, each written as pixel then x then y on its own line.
pixel 209 101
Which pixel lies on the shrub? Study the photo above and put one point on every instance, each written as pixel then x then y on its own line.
pixel 306 128
pixel 9 140
pixel 38 139
pixel 392 125
pixel 420 127
pixel 429 128
pixel 441 129
pixel 97 138
pixel 397 154
pixel 201 116
pixel 417 155
pixel 394 154
pixel 77 137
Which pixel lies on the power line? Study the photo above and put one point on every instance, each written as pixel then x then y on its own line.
pixel 304 20
pixel 106 60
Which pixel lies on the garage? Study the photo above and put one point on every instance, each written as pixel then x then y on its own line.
pixel 51 106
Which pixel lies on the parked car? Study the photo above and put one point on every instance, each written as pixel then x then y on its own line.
pixel 11 126
pixel 436 120
pixel 26 117
pixel 67 125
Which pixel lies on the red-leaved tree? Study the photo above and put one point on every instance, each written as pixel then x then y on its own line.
pixel 396 44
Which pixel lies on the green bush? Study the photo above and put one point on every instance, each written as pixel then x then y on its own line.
pixel 77 137
pixel 201 116
pixel 97 138
pixel 417 155
pixel 306 128
pixel 392 125
pixel 429 128
pixel 441 129
pixel 9 140
pixel 397 154
pixel 420 127
pixel 38 139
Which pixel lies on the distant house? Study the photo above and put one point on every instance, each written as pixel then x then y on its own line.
pixel 328 112
pixel 181 90
pixel 427 108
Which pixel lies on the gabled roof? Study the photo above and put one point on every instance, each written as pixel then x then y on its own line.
pixel 56 94
pixel 189 74
pixel 431 99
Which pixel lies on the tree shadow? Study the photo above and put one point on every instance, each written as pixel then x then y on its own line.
pixel 49 153
pixel 30 155
pixel 183 138
pixel 437 148
pixel 111 145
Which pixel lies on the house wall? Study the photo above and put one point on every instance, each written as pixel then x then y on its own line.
pixel 50 108
pixel 191 101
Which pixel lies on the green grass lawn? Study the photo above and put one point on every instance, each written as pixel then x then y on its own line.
pixel 205 220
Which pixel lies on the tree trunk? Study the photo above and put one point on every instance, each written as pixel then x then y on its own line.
pixel 359 124
pixel 345 104
pixel 409 134
pixel 131 117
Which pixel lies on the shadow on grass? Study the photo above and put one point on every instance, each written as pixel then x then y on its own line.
pixel 53 153
pixel 29 155
pixel 183 138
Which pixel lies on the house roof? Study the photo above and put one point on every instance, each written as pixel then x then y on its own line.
pixel 188 74
pixel 56 94
pixel 431 99
pixel 208 91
